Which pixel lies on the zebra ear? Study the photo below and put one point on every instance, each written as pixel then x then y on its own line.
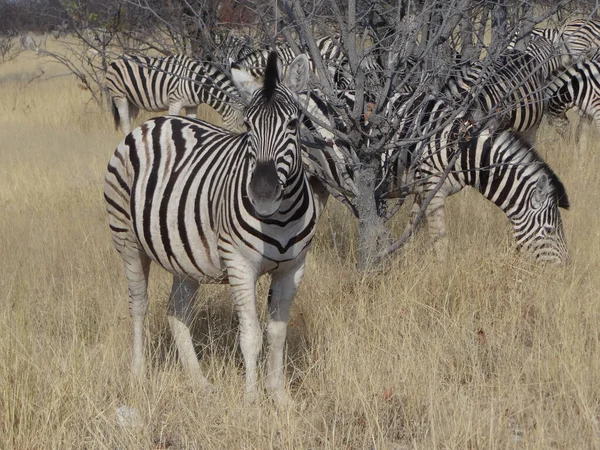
pixel 542 190
pixel 232 64
pixel 245 83
pixel 296 77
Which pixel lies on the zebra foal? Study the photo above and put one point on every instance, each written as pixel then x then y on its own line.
pixel 210 206
pixel 171 83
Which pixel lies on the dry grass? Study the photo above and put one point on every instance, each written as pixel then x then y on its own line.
pixel 487 351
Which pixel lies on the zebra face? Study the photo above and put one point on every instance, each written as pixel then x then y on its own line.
pixel 540 231
pixel 273 122
pixel 274 159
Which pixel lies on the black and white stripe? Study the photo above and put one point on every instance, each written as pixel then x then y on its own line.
pixel 171 83
pixel 580 37
pixel 332 54
pixel 577 87
pixel 512 86
pixel 501 166
pixel 214 207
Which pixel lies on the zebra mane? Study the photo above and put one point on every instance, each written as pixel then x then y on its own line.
pixel 534 157
pixel 271 76
pixel 559 188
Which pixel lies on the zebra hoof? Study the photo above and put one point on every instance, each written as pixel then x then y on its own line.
pixel 251 398
pixel 282 399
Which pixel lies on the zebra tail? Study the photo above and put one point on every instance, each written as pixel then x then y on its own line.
pixel 115 113
pixel 117 191
pixel 133 112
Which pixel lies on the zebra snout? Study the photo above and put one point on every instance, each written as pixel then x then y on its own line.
pixel 265 190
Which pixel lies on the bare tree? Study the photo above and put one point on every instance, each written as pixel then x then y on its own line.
pixel 416 46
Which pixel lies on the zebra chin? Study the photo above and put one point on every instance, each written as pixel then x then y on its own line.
pixel 264 207
pixel 547 254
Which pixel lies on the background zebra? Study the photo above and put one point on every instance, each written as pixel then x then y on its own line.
pixel 332 54
pixel 579 37
pixel 512 86
pixel 212 207
pixel 579 87
pixel 173 83
pixel 501 166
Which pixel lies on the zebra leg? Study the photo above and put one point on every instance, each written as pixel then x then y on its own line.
pixel 180 308
pixel 175 108
pixel 530 136
pixel 579 132
pixel 414 212
pixel 191 111
pixel 122 105
pixel 436 220
pixel 137 267
pixel 243 287
pixel 561 124
pixel 284 286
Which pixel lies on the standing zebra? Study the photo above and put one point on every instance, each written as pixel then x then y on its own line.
pixel 214 207
pixel 579 87
pixel 512 86
pixel 256 61
pixel 173 83
pixel 580 37
pixel 501 166
pixel 332 53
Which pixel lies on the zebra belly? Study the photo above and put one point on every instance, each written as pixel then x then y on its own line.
pixel 193 253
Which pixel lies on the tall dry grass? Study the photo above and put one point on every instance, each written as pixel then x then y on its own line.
pixel 487 351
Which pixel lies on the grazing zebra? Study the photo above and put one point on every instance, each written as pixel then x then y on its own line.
pixel 501 166
pixel 215 207
pixel 173 83
pixel 513 85
pixel 579 87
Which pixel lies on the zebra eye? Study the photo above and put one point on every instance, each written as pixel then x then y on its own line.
pixel 247 124
pixel 292 124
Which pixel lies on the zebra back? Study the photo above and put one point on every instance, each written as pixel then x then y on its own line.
pixel 580 36
pixel 155 84
pixel 511 86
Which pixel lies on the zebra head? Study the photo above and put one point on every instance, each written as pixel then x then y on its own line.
pixel 273 121
pixel 539 229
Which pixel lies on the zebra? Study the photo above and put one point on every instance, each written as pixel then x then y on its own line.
pixel 233 47
pixel 332 53
pixel 211 206
pixel 513 85
pixel 579 87
pixel 579 37
pixel 173 83
pixel 500 165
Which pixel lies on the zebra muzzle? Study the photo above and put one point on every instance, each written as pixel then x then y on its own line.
pixel 264 190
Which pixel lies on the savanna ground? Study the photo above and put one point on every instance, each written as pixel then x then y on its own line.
pixel 486 351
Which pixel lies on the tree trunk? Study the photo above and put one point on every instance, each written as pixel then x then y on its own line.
pixel 373 235
pixel 499 28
